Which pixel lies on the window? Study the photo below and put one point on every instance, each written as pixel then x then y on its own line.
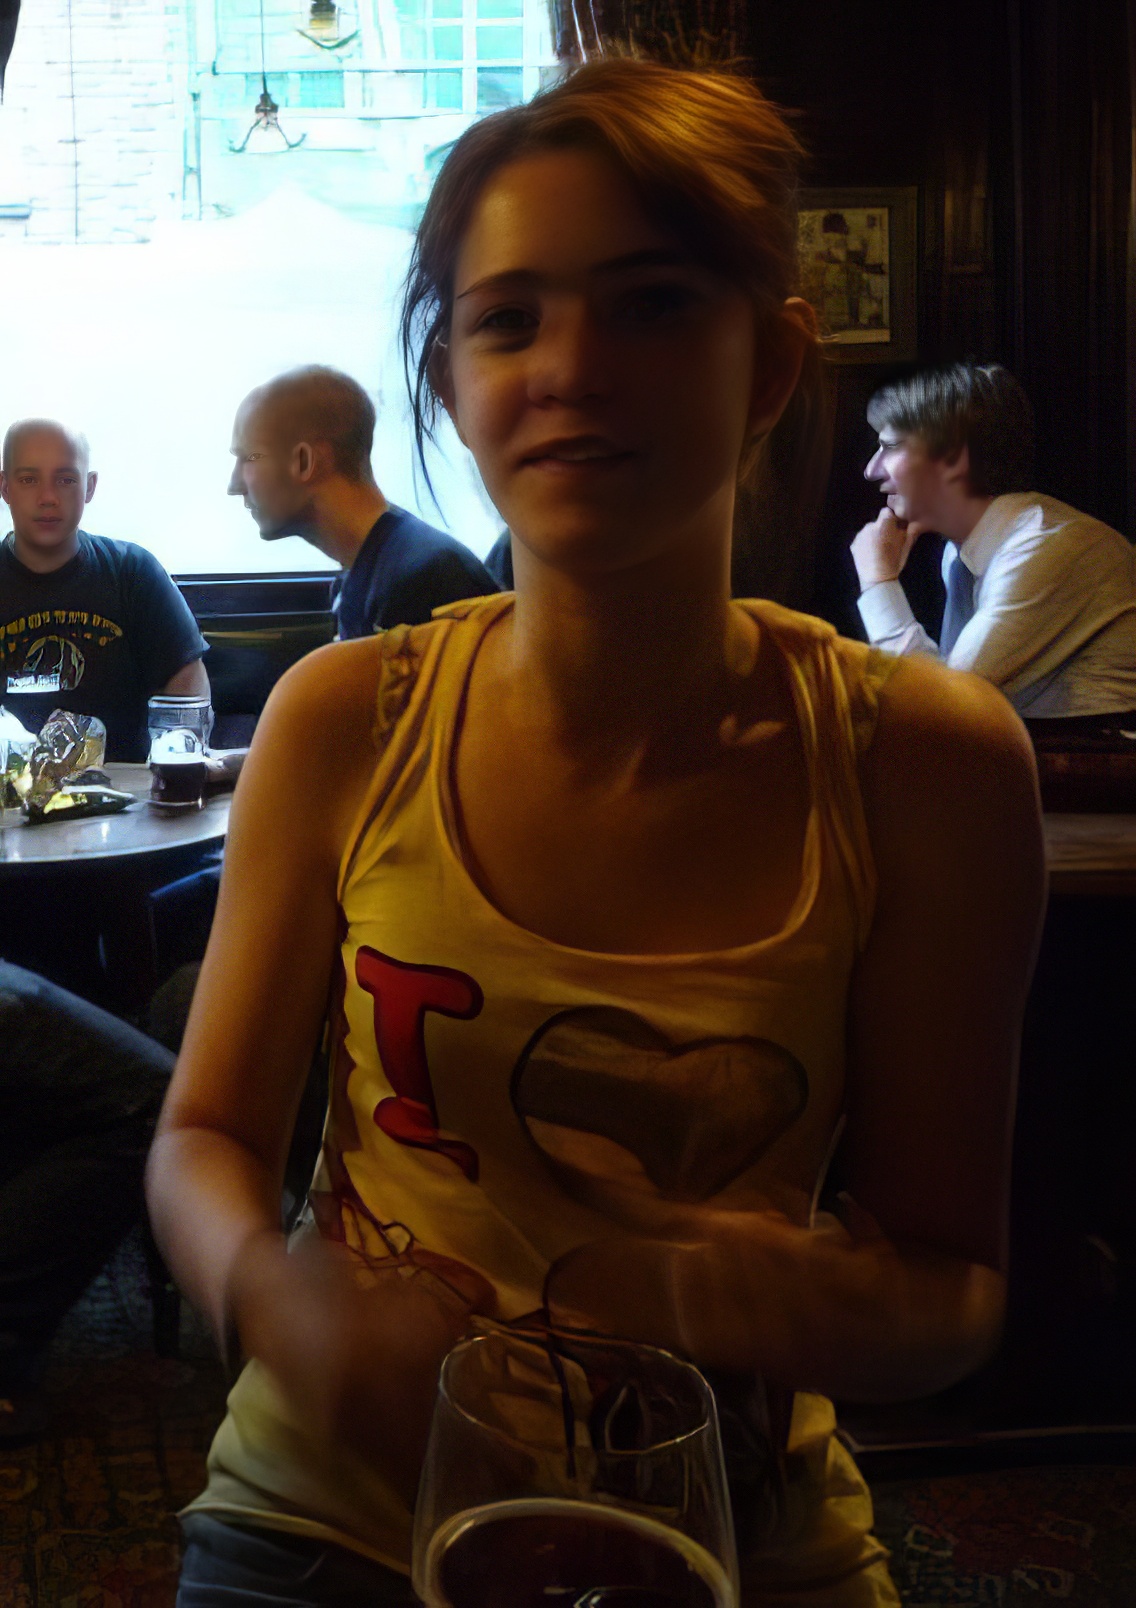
pixel 497 87
pixel 320 89
pixel 503 46
pixel 242 247
pixel 277 88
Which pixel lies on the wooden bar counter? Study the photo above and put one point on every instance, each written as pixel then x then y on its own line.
pixel 1091 855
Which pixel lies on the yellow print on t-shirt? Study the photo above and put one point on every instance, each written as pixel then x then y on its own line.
pixel 80 625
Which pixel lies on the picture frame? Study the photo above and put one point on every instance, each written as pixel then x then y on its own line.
pixel 858 270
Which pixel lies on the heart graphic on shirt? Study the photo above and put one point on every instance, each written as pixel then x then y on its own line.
pixel 607 1098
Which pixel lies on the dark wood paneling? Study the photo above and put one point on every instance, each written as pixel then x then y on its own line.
pixel 1075 179
pixel 1015 121
pixel 900 95
pixel 300 593
pixel 256 627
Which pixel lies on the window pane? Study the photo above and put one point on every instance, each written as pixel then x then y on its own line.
pixel 396 94
pixel 435 158
pixel 321 89
pixel 277 88
pixel 444 91
pixel 447 44
pixel 500 44
pixel 184 76
pixel 230 91
pixel 499 87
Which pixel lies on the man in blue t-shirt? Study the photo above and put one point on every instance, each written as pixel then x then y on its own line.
pixel 86 624
pixel 96 627
pixel 302 451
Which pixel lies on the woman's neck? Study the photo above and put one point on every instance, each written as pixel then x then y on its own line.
pixel 621 666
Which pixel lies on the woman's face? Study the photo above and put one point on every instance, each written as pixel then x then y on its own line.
pixel 602 378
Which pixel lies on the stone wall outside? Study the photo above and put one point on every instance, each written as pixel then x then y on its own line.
pixel 92 125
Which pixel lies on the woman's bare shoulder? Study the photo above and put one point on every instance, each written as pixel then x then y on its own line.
pixel 341 674
pixel 949 721
pixel 950 772
pixel 313 751
pixel 329 695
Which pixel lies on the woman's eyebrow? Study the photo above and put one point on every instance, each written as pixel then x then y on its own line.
pixel 528 278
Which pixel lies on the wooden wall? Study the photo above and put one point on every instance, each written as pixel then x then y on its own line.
pixel 1014 118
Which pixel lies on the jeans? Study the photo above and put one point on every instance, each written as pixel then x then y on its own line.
pixel 80 1093
pixel 234 1565
pixel 182 913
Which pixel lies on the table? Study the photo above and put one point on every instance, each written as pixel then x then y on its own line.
pixel 1090 855
pixel 75 895
pixel 136 834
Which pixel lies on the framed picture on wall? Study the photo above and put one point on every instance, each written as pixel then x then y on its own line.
pixel 858 270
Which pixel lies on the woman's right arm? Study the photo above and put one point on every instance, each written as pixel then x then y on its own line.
pixel 361 1366
pixel 215 1173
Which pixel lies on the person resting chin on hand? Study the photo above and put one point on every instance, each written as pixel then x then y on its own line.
pixel 1040 598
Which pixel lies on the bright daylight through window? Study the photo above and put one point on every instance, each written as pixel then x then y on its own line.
pixel 198 194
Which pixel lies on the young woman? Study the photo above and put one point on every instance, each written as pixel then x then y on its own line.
pixel 623 895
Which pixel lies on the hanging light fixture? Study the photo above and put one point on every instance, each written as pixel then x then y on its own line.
pixel 265 126
pixel 323 22
pixel 264 131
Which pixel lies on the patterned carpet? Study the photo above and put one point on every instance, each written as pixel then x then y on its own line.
pixel 1014 1537
pixel 86 1513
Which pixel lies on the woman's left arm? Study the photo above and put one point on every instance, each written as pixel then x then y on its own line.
pixel 936 1007
pixel 906 1294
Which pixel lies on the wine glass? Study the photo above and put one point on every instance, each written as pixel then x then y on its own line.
pixel 570 1471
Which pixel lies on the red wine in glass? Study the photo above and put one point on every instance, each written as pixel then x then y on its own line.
pixel 549 1553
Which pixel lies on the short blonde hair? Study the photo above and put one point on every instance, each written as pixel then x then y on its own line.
pixel 979 406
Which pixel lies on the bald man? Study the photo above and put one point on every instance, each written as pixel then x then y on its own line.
pixel 302 462
pixel 86 624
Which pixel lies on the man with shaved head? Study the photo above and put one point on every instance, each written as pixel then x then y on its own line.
pixel 302 451
pixel 86 624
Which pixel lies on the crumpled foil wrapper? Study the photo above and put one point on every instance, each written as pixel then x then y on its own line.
pixel 67 744
pixel 16 747
pixel 84 795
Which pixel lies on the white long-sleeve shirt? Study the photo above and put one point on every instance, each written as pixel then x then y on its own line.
pixel 1054 622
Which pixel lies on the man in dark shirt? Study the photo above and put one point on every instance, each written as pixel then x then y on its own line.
pixel 86 624
pixel 302 450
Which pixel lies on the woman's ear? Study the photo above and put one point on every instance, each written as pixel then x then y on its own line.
pixel 442 384
pixel 782 342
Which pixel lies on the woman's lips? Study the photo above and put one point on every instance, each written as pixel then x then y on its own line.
pixel 574 458
pixel 578 466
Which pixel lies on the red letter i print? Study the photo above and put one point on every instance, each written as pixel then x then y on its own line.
pixel 403 994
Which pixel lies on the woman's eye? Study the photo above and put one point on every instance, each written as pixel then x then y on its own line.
pixel 653 304
pixel 508 321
